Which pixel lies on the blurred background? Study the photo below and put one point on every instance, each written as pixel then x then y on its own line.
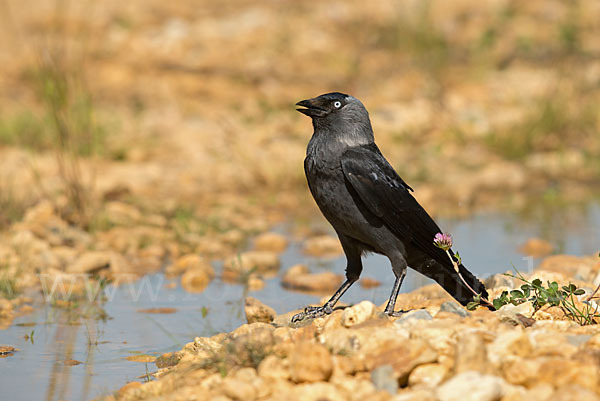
pixel 136 133
pixel 186 102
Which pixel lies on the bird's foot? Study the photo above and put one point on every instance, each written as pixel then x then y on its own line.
pixel 395 313
pixel 312 312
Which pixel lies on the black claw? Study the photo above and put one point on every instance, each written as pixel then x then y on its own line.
pixel 312 312
pixel 396 313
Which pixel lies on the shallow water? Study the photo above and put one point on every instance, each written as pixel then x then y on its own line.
pixel 487 243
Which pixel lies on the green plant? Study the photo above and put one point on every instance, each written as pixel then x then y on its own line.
pixel 8 283
pixel 552 294
pixel 12 207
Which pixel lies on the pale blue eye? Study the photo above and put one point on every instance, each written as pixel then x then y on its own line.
pixel 337 104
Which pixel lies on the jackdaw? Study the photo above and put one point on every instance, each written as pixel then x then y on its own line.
pixel 369 206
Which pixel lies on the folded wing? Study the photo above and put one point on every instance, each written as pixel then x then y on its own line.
pixel 387 196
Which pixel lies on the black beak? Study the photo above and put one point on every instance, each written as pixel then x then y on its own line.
pixel 310 108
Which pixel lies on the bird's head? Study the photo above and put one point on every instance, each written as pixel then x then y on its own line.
pixel 331 106
pixel 340 113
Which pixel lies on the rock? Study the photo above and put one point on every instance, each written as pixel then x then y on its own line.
pixel 419 314
pixel 272 242
pixel 402 354
pixel 429 375
pixel 367 282
pixel 297 270
pixel 323 246
pixel 310 363
pixel 7 350
pixel 263 262
pixel 577 340
pixel 509 313
pixel 298 278
pixel 120 213
pixel 141 358
pixel 453 307
pixel 6 308
pixel 189 262
pixel 471 386
pixel 568 265
pixel 383 378
pixel 168 359
pixel 238 390
pixel 573 392
pixel 232 237
pixel 274 368
pixel 129 386
pixel 256 311
pixel 161 311
pixel 255 283
pixel 500 281
pixel 316 392
pixel 556 371
pixel 196 280
pixel 536 247
pixel 419 394
pixel 90 262
pixel 358 313
pixel 471 353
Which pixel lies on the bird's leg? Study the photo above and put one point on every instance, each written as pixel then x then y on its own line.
pixel 399 268
pixel 312 312
pixel 353 270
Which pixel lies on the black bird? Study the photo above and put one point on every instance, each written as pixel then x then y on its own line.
pixel 368 204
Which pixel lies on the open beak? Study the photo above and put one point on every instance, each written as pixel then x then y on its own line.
pixel 310 108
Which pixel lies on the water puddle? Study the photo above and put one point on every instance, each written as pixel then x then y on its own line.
pixel 62 357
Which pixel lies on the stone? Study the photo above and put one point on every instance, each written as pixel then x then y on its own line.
pixel 257 311
pixel 141 358
pixel 573 392
pixel 6 350
pixel 419 314
pixel 262 262
pixel 509 313
pixel 238 390
pixel 310 363
pixel 196 280
pixel 453 307
pixel 383 378
pixel 233 237
pixel 298 278
pixel 187 262
pixel 567 265
pixel 428 374
pixel 357 313
pixel 129 386
pixel 120 213
pixel 536 247
pixel 323 246
pixel 367 282
pixel 402 354
pixel 316 392
pixel 255 283
pixel 419 394
pixel 90 262
pixel 556 371
pixel 168 359
pixel 274 368
pixel 270 241
pixel 471 386
pixel 471 353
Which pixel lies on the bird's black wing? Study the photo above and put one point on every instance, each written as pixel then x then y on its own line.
pixel 387 196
